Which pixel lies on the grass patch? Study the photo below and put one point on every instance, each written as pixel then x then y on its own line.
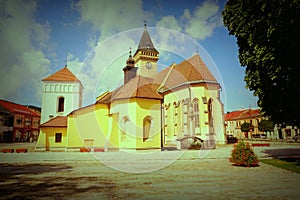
pixel 293 166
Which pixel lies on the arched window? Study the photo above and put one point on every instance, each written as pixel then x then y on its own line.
pixel 146 128
pixel 61 104
pixel 196 112
pixel 124 128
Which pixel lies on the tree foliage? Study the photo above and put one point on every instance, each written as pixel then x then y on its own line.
pixel 246 127
pixel 267 35
pixel 265 125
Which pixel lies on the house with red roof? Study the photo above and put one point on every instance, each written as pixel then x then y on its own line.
pixel 18 123
pixel 234 120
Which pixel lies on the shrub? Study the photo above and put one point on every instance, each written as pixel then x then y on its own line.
pixel 243 155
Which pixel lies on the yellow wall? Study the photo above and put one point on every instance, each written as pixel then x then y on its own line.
pixel 46 140
pixel 187 126
pixel 128 129
pixel 148 107
pixel 88 127
pixel 126 123
pixel 113 132
pixel 41 142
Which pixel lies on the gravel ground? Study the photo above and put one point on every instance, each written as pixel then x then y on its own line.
pixel 145 175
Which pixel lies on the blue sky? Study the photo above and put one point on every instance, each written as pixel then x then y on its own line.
pixel 93 37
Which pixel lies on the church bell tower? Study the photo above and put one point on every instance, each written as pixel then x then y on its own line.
pixel 146 56
pixel 62 93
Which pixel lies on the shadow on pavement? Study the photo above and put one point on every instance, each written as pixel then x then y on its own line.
pixel 287 152
pixel 31 181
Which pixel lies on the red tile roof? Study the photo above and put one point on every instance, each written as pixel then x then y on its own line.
pixel 138 87
pixel 64 75
pixel 17 108
pixel 58 121
pixel 189 71
pixel 242 114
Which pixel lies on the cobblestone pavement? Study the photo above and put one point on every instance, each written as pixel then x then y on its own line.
pixel 192 175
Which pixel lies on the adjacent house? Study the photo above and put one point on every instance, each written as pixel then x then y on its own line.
pixel 18 123
pixel 234 120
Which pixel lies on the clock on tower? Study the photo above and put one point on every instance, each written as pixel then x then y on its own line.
pixel 146 56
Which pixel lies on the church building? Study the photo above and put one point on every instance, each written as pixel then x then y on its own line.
pixel 151 110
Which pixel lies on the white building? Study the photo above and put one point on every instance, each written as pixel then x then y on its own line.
pixel 62 93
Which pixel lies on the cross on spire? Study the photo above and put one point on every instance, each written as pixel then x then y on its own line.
pixel 66 62
pixel 145 24
pixel 130 51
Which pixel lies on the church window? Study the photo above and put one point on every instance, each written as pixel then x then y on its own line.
pixel 58 137
pixel 196 113
pixel 210 117
pixel 147 123
pixel 61 104
pixel 124 128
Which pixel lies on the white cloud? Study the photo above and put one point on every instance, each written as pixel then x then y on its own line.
pixel 22 65
pixel 102 69
pixel 169 22
pixel 204 20
pixel 199 24
pixel 111 17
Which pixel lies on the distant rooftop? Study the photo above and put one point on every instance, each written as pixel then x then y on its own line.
pixel 17 108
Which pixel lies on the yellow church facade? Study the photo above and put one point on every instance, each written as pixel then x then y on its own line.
pixel 151 110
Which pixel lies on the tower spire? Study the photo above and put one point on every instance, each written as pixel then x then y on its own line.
pixel 130 69
pixel 145 43
pixel 146 56
pixel 130 61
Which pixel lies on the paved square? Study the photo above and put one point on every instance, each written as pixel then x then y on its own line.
pixel 75 175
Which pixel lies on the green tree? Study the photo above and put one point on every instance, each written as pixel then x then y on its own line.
pixel 267 34
pixel 246 127
pixel 265 125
